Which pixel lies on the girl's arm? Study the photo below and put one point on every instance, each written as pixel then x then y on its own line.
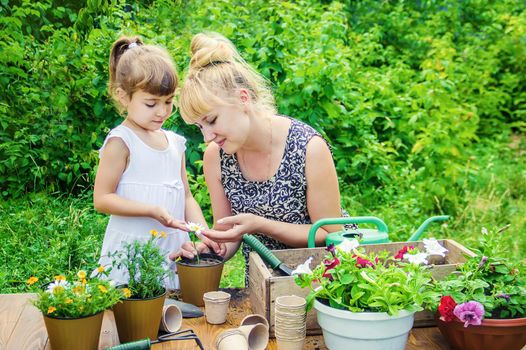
pixel 323 201
pixel 112 164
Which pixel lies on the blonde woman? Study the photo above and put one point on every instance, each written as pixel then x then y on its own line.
pixel 267 174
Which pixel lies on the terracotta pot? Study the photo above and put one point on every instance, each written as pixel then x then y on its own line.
pixel 138 318
pixel 74 333
pixel 492 334
pixel 195 280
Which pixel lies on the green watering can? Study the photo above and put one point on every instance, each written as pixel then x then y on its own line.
pixel 365 236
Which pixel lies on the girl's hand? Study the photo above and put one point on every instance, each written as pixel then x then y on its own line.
pixel 187 249
pixel 241 224
pixel 161 214
pixel 218 248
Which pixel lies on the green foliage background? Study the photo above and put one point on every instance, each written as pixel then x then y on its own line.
pixel 424 103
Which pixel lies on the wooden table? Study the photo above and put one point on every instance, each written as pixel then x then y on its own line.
pixel 22 327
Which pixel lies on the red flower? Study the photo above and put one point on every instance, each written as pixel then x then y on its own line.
pixel 401 252
pixel 446 307
pixel 361 262
pixel 329 265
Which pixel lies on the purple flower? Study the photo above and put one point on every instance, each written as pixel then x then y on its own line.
pixel 503 296
pixel 483 261
pixel 471 312
pixel 331 249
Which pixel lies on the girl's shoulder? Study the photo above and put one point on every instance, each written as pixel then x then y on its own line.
pixel 120 132
pixel 178 141
pixel 175 136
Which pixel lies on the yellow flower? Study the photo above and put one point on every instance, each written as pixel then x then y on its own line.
pixel 163 234
pixel 58 289
pixel 51 309
pixel 78 289
pixel 32 280
pixel 83 281
pixel 100 269
pixel 81 274
pixel 60 278
pixel 154 233
pixel 69 301
pixel 102 288
pixel 126 292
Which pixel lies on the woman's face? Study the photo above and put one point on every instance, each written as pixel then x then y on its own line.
pixel 227 126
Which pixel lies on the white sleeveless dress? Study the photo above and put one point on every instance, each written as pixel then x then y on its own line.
pixel 153 177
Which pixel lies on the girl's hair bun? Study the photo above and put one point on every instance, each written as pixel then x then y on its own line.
pixel 210 49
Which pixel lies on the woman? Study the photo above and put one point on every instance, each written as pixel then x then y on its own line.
pixel 266 173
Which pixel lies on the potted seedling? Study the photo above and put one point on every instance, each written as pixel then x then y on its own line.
pixel 201 274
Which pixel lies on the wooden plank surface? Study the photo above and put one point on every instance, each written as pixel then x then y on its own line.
pixel 22 327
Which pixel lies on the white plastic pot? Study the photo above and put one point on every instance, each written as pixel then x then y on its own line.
pixel 345 330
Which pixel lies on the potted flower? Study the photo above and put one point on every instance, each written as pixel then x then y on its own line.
pixel 366 300
pixel 201 274
pixel 483 304
pixel 73 309
pixel 139 315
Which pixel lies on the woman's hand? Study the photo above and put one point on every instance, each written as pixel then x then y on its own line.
pixel 241 224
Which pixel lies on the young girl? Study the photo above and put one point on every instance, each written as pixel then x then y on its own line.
pixel 141 180
pixel 266 173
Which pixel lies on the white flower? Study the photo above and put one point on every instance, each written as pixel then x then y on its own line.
pixel 303 268
pixel 347 245
pixel 417 259
pixel 433 247
pixel 484 231
pixel 195 228
pixel 57 284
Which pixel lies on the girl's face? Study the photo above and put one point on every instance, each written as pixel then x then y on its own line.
pixel 227 126
pixel 146 110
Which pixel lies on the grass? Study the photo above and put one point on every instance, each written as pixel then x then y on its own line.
pixel 43 235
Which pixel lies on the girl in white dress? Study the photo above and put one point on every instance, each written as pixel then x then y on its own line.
pixel 141 180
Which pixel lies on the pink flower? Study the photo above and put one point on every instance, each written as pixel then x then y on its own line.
pixel 471 312
pixel 401 252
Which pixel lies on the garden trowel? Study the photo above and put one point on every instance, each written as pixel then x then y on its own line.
pixel 187 310
pixel 267 255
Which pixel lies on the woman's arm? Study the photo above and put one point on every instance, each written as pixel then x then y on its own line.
pixel 112 165
pixel 323 201
pixel 220 204
pixel 193 213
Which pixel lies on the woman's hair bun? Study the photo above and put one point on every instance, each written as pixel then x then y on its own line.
pixel 209 49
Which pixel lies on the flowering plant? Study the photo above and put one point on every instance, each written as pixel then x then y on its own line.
pixel 350 279
pixel 76 297
pixel 486 285
pixel 146 266
pixel 194 231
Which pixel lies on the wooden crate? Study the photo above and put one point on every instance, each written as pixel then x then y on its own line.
pixel 266 285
